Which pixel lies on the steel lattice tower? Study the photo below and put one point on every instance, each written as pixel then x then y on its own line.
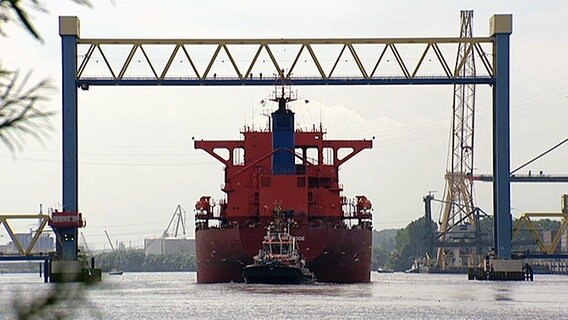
pixel 458 221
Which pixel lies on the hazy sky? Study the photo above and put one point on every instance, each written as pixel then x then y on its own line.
pixel 137 160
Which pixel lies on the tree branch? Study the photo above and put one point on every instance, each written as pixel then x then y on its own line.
pixel 20 115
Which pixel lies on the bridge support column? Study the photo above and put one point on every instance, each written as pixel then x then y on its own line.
pixel 500 29
pixel 46 271
pixel 66 238
pixel 66 267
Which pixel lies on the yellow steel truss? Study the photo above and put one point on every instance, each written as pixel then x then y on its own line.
pixel 459 196
pixel 42 218
pixel 477 46
pixel 525 220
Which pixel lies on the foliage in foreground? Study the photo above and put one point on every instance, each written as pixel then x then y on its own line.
pixel 20 114
pixel 61 301
pixel 17 12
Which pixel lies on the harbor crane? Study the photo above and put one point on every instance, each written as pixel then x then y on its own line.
pixel 177 221
pixel 109 241
pixel 458 222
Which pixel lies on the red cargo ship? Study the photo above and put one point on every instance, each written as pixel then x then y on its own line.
pixel 285 168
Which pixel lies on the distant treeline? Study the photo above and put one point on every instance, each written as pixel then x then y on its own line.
pixel 393 248
pixel 134 260
pixel 21 267
pixel 397 248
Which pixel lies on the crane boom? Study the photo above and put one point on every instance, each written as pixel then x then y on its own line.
pixel 87 250
pixel 109 241
pixel 177 220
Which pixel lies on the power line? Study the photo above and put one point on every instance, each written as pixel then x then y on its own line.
pixel 540 156
pixel 119 164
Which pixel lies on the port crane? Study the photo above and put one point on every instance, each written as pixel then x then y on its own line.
pixel 177 221
pixel 85 245
pixel 109 241
pixel 459 218
pixel 458 242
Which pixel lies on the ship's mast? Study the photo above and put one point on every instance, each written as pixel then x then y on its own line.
pixel 283 132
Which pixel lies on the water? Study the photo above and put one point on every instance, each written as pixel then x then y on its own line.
pixel 389 296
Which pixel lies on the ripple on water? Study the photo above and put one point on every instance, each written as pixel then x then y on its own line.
pixel 391 296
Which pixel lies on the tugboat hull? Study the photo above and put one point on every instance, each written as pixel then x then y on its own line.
pixel 274 274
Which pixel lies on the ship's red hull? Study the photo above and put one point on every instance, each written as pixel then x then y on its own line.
pixel 333 254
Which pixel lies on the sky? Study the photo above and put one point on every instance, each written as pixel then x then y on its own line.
pixel 136 156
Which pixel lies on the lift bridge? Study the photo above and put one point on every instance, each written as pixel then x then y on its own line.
pixel 394 61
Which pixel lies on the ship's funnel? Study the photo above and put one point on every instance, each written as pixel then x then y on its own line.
pixel 283 139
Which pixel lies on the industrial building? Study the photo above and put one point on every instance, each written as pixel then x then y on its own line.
pixel 173 239
pixel 45 243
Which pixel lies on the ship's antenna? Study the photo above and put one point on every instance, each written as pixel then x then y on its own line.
pixel 252 108
pixel 245 118
pixel 321 124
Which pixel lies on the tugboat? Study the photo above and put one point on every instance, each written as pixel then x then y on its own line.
pixel 278 261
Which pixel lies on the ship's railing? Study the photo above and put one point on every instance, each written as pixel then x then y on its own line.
pixel 210 209
pixel 359 208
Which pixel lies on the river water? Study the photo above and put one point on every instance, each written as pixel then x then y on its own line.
pixel 389 296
